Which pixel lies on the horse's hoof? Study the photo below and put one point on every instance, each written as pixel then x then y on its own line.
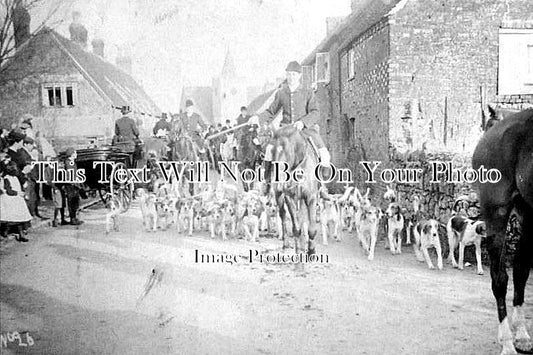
pixel 523 346
pixel 480 272
pixel 371 257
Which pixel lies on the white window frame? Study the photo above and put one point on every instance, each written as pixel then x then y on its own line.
pixel 322 76
pixel 350 56
pixel 45 98
pixel 515 56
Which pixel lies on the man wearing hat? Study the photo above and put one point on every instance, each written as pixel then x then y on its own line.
pixel 191 123
pixel 299 108
pixel 15 141
pixel 72 190
pixel 162 125
pixel 32 188
pixel 126 130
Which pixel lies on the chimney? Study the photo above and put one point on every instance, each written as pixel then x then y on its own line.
pixel 78 32
pixel 98 47
pixel 332 23
pixel 21 23
pixel 123 60
pixel 360 5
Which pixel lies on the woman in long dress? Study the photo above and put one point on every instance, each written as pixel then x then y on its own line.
pixel 13 208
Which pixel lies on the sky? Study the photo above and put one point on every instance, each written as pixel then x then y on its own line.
pixel 177 43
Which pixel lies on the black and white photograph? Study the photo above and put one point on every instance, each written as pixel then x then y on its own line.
pixel 266 177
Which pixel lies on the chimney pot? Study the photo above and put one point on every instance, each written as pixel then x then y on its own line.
pixel 78 32
pixel 98 47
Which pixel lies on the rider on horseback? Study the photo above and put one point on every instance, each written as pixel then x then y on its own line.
pixel 162 127
pixel 190 123
pixel 300 109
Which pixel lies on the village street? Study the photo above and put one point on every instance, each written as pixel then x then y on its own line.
pixel 79 291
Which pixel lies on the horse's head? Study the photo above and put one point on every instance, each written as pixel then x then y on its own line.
pixel 290 146
pixel 496 115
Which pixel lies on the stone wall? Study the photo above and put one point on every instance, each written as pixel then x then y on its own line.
pixel 443 65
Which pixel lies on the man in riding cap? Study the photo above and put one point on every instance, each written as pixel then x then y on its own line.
pixel 126 130
pixel 192 124
pixel 162 125
pixel 300 108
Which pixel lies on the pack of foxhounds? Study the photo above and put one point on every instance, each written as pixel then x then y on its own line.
pixel 228 212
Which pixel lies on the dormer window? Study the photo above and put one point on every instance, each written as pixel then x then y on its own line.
pixel 59 95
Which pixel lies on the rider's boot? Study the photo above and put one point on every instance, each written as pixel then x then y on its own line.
pixel 325 158
pixel 268 177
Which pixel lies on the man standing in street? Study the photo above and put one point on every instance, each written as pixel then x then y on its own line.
pixel 242 118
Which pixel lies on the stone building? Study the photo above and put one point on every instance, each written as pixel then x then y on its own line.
pixel 403 75
pixel 72 93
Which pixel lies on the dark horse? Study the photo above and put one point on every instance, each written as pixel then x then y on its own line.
pixel 508 147
pixel 292 148
pixel 249 153
pixel 496 116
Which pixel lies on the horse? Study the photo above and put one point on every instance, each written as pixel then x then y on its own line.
pixel 508 147
pixel 496 116
pixel 292 148
pixel 249 152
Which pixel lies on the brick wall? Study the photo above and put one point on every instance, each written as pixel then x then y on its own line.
pixel 364 98
pixel 443 53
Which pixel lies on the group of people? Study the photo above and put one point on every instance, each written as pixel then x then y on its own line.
pixel 299 108
pixel 20 192
pixel 19 147
pixel 190 123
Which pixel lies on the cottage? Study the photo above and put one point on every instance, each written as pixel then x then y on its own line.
pixel 405 74
pixel 72 93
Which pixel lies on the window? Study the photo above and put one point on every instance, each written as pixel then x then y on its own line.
pixel 59 95
pixel 70 97
pixel 322 68
pixel 351 64
pixel 515 71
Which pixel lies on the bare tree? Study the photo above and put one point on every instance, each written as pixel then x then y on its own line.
pixel 15 23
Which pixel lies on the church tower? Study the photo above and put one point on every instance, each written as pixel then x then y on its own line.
pixel 229 92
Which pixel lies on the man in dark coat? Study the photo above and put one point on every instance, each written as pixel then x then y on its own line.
pixel 126 130
pixel 163 124
pixel 15 142
pixel 32 188
pixel 191 123
pixel 72 190
pixel 300 108
pixel 242 118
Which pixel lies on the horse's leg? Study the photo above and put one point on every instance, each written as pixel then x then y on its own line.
pixel 390 235
pixel 283 216
pixel 496 227
pixel 522 263
pixel 296 230
pixel 312 230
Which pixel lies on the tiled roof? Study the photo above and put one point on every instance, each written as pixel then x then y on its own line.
pixel 355 24
pixel 109 80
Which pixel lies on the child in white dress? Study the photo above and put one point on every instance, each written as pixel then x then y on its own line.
pixel 13 208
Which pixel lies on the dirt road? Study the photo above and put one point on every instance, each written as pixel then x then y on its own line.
pixel 78 291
